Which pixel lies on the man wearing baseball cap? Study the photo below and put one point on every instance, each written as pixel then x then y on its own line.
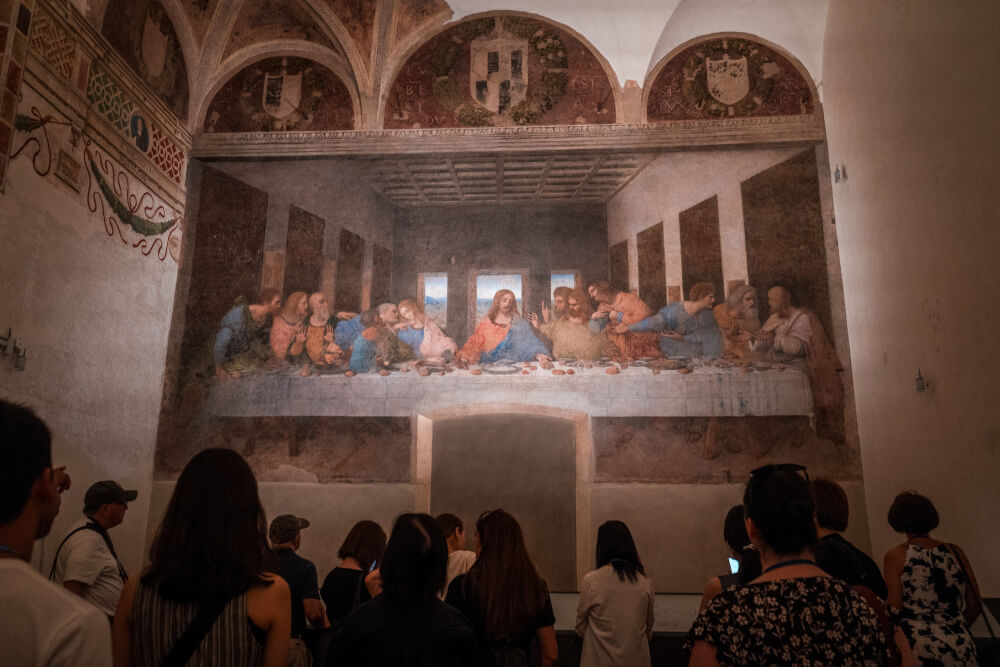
pixel 300 573
pixel 86 562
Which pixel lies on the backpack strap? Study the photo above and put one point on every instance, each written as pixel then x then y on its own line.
pixel 194 635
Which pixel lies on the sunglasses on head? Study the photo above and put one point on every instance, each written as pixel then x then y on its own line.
pixel 488 513
pixel 758 475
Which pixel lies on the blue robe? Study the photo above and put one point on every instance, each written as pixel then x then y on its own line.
pixel 412 337
pixel 520 344
pixel 702 337
pixel 363 355
pixel 347 331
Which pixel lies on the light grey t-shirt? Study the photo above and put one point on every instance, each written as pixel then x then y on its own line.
pixel 86 558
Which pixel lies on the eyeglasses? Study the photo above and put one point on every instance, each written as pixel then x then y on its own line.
pixel 758 475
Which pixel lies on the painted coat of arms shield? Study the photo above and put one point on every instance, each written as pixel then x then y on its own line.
pixel 727 78
pixel 498 72
pixel 282 94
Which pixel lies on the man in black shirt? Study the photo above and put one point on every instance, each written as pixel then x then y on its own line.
pixel 286 538
pixel 834 554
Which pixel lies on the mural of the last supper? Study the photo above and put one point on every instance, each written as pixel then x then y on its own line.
pixel 693 314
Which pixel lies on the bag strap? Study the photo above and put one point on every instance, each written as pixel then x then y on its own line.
pixel 55 558
pixel 194 635
pixel 952 549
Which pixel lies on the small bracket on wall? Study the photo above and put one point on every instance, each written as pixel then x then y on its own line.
pixel 922 384
pixel 19 350
pixel 5 341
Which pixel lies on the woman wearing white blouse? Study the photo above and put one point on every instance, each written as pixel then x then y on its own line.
pixel 615 614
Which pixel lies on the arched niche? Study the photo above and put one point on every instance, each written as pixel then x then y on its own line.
pixel 278 94
pixel 142 33
pixel 502 69
pixel 729 75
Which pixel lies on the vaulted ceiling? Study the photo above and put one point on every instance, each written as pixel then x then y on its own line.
pixel 365 42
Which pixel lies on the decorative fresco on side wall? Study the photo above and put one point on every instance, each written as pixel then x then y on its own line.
pixel 728 77
pixel 280 94
pixel 500 70
pixel 200 13
pixel 411 13
pixel 141 32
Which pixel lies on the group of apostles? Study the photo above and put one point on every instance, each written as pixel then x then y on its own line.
pixel 600 323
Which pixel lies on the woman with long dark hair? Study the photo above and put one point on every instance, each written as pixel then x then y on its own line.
pixel 503 596
pixel 615 612
pixel 210 565
pixel 408 625
pixel 344 587
pixel 794 612
pixel 734 532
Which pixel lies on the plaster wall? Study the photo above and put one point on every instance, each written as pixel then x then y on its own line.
pixel 93 314
pixel 674 182
pixel 908 103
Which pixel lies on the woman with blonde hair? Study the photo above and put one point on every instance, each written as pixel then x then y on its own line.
pixel 422 333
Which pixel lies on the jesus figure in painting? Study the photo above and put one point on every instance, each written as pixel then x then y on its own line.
pixel 504 335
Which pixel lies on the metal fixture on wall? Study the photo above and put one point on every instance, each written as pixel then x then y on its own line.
pixel 20 351
pixel 921 383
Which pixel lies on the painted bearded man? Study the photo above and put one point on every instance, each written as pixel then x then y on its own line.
pixel 504 335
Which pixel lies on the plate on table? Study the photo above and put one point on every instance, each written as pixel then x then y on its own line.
pixel 501 368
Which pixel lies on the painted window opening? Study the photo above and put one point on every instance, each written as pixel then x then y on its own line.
pixel 435 297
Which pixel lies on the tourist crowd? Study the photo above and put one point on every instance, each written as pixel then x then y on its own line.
pixel 223 587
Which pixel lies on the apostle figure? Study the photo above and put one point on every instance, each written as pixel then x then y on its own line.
pixel 738 320
pixel 792 333
pixel 570 334
pixel 504 335
pixel 319 333
pixel 288 332
pixel 422 333
pixel 616 311
pixel 687 328
pixel 242 341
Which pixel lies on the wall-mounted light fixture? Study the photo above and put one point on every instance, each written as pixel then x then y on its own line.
pixel 921 383
pixel 19 350
pixel 5 341
pixel 20 354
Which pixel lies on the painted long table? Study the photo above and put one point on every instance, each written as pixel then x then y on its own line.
pixel 707 391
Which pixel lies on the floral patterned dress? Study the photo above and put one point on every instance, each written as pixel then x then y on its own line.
pixel 802 621
pixel 933 602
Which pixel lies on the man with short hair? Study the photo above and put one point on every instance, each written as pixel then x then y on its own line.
pixel 460 560
pixel 687 328
pixel 40 623
pixel 570 334
pixel 788 330
pixel 834 554
pixel 241 343
pixel 86 562
pixel 285 534
pixel 320 347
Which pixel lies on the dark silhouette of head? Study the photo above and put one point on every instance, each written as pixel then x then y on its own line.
pixel 212 542
pixel 364 543
pixel 616 546
pixel 778 499
pixel 415 564
pixel 913 514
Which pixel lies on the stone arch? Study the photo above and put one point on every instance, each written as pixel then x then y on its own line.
pixel 474 23
pixel 779 84
pixel 423 457
pixel 247 57
pixel 166 66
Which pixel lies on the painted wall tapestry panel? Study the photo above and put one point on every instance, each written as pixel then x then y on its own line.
pixel 265 20
pixel 652 267
pixel 701 248
pixel 304 251
pixel 728 77
pixel 500 70
pixel 618 266
pixel 229 242
pixel 358 16
pixel 714 450
pixel 527 467
pixel 305 449
pixel 281 94
pixel 784 233
pixel 141 32
pixel 350 260
pixel 381 274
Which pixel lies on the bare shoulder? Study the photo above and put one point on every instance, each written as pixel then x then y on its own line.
pixel 896 555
